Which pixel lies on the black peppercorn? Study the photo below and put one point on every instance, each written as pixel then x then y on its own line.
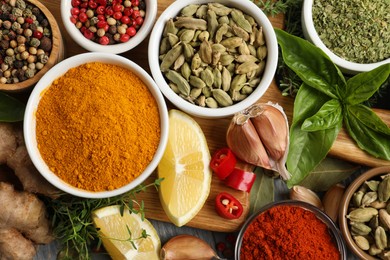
pixel 46 44
pixel 18 64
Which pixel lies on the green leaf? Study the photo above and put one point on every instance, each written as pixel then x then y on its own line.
pixel 329 116
pixel 262 191
pixel 311 64
pixel 363 85
pixel 369 132
pixel 11 109
pixel 307 149
pixel 329 172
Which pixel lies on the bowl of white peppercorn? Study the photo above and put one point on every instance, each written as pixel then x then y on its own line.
pixel 351 34
pixel 213 58
pixel 364 214
pixel 30 45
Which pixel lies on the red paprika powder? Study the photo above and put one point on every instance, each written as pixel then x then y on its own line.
pixel 288 232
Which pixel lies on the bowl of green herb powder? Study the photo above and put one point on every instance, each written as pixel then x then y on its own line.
pixel 354 34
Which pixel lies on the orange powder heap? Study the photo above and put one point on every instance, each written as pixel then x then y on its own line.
pixel 98 126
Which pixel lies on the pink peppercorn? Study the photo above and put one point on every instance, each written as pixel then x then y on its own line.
pixel 88 34
pixel 117 15
pixel 139 20
pixel 75 11
pixel 100 9
pixel 104 40
pixel 125 37
pixel 83 17
pixel 131 31
pixel 125 20
pixel 37 34
pixel 92 4
pixel 76 3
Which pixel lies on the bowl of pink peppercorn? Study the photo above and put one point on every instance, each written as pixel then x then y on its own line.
pixel 111 26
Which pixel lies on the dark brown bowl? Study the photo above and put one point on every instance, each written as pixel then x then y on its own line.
pixel 344 209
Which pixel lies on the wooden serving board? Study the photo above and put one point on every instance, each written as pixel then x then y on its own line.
pixel 214 131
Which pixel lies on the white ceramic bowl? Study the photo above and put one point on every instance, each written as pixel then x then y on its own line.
pixel 46 81
pixel 195 110
pixel 311 35
pixel 77 36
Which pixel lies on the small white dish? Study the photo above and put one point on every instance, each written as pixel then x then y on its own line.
pixel 78 37
pixel 205 112
pixel 311 35
pixel 46 81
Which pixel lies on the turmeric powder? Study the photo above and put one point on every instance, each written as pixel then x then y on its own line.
pixel 97 126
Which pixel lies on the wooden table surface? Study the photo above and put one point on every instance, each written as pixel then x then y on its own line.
pixel 139 55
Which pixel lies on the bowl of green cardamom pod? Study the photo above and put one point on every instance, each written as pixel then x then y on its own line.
pixel 213 58
pixel 364 215
pixel 353 35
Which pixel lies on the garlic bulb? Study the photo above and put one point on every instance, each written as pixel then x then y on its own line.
pixel 306 195
pixel 259 135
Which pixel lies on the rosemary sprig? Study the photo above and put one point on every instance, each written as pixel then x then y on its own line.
pixel 71 219
pixel 273 8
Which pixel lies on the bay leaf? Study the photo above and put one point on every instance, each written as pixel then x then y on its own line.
pixel 11 109
pixel 329 172
pixel 262 191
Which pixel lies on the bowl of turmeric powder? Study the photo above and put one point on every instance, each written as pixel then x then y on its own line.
pixel 96 125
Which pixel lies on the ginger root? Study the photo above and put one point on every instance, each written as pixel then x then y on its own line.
pixel 14 245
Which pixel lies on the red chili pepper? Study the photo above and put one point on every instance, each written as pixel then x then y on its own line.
pixel 240 180
pixel 223 162
pixel 228 206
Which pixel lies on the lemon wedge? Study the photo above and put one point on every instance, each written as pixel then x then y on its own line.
pixel 114 231
pixel 185 169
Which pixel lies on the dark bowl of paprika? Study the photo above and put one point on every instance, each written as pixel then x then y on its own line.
pixel 289 230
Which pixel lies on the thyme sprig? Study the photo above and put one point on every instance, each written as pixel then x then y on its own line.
pixel 71 219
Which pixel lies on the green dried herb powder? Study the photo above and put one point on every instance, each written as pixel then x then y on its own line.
pixel 356 30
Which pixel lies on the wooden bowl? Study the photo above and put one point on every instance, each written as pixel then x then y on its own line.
pixel 344 204
pixel 56 53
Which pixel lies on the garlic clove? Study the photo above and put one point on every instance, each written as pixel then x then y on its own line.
pixel 306 195
pixel 243 140
pixel 187 247
pixel 271 126
pixel 332 200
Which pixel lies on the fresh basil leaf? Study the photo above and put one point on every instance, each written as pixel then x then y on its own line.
pixel 11 109
pixel 262 191
pixel 329 172
pixel 311 64
pixel 307 149
pixel 369 132
pixel 329 115
pixel 362 86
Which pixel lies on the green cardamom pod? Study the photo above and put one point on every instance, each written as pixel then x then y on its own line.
pixel 237 96
pixel 195 93
pixel 222 97
pixel 223 19
pixel 380 237
pixel 211 102
pixel 180 81
pixel 372 185
pixel 188 51
pixel 189 10
pixel 170 28
pixel 374 222
pixel 164 45
pixel 173 39
pixel 196 82
pixel 187 35
pixel 216 47
pixel 374 250
pixel 226 59
pixel 219 9
pixel 191 23
pixel 226 79
pixel 250 19
pixel 196 62
pixel 261 52
pixel 246 67
pixel 185 71
pixel 217 78
pixel 357 198
pixel 239 32
pixel 232 42
pixel 207 91
pixel 205 52
pixel 361 242
pixel 204 36
pixel 369 197
pixel 170 58
pixel 246 90
pixel 378 204
pixel 239 19
pixel 243 49
pixel 259 39
pixel 246 58
pixel 362 214
pixel 384 189
pixel 212 23
pixel 202 12
pixel 207 76
pixel 174 87
pixel 222 30
pixel 359 228
pixel 216 56
pixel 179 62
pixel 384 217
pixel 238 82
